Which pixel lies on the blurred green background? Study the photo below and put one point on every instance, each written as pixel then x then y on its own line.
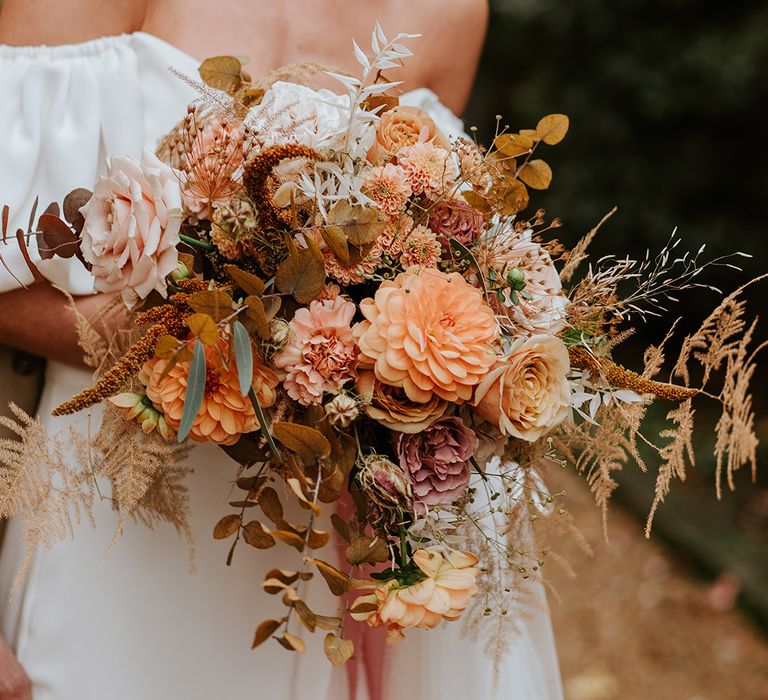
pixel 667 100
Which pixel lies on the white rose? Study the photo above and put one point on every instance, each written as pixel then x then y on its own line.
pixel 132 226
pixel 292 113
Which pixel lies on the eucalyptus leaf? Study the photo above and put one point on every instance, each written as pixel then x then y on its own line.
pixel 195 391
pixel 243 357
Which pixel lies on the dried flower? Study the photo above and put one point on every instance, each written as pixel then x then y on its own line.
pixel 428 332
pixel 385 483
pixel 342 410
pixel 225 414
pixel 420 247
pixel 233 228
pixel 472 166
pixel 527 393
pixel 437 460
pixel 439 588
pixel 403 126
pixel 454 218
pixel 139 407
pixel 320 355
pixel 541 308
pixel 132 226
pixel 428 168
pixel 391 407
pixel 387 185
pixel 280 331
pixel 209 162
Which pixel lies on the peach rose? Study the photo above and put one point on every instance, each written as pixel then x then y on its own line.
pixel 448 582
pixel 527 393
pixel 132 226
pixel 390 406
pixel 403 126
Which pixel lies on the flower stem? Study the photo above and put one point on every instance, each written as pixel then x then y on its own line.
pixel 403 551
pixel 196 242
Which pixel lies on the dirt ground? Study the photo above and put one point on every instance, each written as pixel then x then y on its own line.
pixel 635 624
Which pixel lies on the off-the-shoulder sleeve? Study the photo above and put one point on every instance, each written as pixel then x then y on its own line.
pixel 63 109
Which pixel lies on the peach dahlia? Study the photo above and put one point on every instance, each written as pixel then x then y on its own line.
pixel 225 414
pixel 428 332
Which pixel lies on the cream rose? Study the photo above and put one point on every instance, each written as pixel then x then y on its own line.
pixel 132 226
pixel 527 393
pixel 404 126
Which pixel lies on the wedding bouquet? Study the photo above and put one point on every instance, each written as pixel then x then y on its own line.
pixel 356 308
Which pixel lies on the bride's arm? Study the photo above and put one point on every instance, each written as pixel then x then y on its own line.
pixel 14 683
pixel 451 45
pixel 39 320
pixel 33 22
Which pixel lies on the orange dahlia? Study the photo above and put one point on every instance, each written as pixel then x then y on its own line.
pixel 439 587
pixel 428 332
pixel 225 413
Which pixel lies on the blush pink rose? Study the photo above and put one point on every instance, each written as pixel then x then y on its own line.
pixel 132 226
pixel 437 460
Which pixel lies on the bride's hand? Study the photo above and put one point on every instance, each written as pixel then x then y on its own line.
pixel 14 682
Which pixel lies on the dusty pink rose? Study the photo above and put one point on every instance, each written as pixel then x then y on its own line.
pixel 437 460
pixel 454 218
pixel 132 227
pixel 320 355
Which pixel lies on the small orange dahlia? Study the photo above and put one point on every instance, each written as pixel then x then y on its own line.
pixel 428 332
pixel 225 413
pixel 439 588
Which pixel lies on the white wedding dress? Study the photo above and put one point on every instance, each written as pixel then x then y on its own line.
pixel 134 624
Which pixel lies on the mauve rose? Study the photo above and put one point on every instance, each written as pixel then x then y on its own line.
pixel 454 218
pixel 132 226
pixel 437 460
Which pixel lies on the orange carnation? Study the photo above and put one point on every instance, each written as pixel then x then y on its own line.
pixel 428 332
pixel 445 583
pixel 225 413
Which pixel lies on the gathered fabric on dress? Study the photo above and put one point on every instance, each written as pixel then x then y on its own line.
pixel 133 622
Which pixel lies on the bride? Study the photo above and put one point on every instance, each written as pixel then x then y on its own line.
pixel 83 78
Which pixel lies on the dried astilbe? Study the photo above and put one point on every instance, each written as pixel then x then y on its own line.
pixel 40 485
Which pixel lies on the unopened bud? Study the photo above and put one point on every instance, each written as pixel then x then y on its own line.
pixel 385 483
pixel 181 272
pixel 280 330
pixel 342 410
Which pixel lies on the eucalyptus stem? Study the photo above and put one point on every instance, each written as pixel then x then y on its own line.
pixel 264 426
pixel 196 242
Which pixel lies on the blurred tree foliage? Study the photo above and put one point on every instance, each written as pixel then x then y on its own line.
pixel 668 101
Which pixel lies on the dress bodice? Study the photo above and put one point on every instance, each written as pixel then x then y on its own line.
pixel 65 108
